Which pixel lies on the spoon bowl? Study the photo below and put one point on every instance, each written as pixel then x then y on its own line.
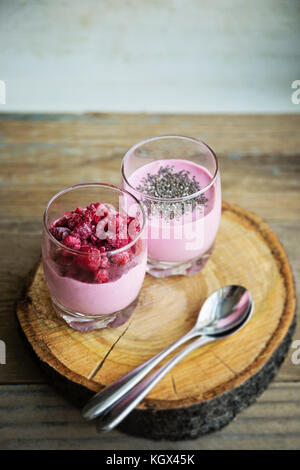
pixel 227 308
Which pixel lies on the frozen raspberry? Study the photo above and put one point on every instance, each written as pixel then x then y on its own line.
pixel 75 272
pixel 104 263
pixel 71 271
pixel 96 218
pixel 72 242
pixel 118 242
pixel 90 258
pixel 101 212
pixel 94 239
pixel 62 222
pixel 65 258
pixel 93 214
pixel 83 230
pixel 74 220
pixel 89 216
pixel 101 276
pixel 80 210
pixel 59 232
pixel 121 258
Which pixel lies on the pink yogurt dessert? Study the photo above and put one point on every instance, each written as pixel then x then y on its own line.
pixel 188 231
pixel 97 267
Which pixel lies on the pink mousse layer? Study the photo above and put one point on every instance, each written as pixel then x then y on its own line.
pixel 193 234
pixel 95 299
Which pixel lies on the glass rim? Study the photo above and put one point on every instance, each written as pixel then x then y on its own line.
pixel 169 199
pixel 81 185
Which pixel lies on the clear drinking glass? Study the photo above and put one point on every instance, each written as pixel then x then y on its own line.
pixel 94 288
pixel 177 180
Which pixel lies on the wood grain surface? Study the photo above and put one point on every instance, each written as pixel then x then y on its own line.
pixel 36 417
pixel 41 154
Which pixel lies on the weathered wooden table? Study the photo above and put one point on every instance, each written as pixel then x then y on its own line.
pixel 41 154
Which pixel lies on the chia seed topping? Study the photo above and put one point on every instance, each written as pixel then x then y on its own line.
pixel 167 183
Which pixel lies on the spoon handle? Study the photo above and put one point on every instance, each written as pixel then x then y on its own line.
pixel 115 414
pixel 114 392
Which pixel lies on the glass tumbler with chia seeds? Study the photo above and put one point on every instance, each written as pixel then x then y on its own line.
pixel 178 181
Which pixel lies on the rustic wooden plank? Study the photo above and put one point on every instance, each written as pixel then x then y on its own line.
pixel 36 417
pixel 255 134
pixel 40 154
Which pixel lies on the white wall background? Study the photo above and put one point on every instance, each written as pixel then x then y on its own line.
pixel 150 55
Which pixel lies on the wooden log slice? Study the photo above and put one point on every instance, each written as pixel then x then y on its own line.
pixel 210 386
